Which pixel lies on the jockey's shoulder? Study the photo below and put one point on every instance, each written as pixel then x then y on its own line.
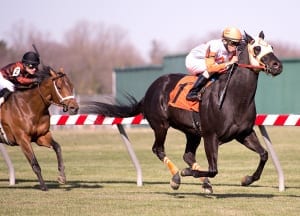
pixel 13 66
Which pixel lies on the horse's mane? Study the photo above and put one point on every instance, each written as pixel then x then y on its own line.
pixel 43 74
pixel 242 45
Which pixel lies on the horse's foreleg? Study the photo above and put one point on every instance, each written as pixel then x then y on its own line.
pixel 28 151
pixel 189 157
pixel 159 150
pixel 211 146
pixel 61 167
pixel 252 143
pixel 48 141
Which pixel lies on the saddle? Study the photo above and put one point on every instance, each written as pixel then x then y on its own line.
pixel 177 99
pixel 178 95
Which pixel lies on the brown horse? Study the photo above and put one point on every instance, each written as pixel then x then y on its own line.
pixel 227 113
pixel 25 117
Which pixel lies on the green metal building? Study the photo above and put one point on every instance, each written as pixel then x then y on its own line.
pixel 275 95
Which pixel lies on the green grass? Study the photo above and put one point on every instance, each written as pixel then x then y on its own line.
pixel 101 179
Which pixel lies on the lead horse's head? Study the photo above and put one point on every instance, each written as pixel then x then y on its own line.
pixel 61 91
pixel 261 55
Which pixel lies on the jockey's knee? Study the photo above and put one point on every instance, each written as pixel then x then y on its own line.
pixel 5 93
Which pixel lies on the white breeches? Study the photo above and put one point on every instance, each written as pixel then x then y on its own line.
pixel 4 83
pixel 196 66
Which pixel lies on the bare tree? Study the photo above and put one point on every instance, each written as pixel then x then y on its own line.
pixel 282 49
pixel 93 51
pixel 285 50
pixel 157 52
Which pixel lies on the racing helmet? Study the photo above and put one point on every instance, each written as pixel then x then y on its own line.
pixel 31 58
pixel 232 34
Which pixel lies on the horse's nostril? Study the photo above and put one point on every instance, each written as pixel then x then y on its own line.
pixel 74 109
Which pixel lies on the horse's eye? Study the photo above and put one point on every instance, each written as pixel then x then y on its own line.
pixel 58 86
pixel 257 50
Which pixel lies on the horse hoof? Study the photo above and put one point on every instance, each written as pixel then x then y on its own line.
pixel 247 180
pixel 61 180
pixel 175 181
pixel 207 188
pixel 44 188
pixel 186 172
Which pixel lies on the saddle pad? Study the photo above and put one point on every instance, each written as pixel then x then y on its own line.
pixel 178 95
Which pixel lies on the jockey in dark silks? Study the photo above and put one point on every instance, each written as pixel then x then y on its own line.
pixel 21 73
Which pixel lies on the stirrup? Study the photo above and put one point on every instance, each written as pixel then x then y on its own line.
pixel 193 97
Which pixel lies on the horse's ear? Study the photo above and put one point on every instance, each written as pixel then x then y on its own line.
pixel 248 38
pixel 52 72
pixel 261 35
pixel 61 70
pixel 46 67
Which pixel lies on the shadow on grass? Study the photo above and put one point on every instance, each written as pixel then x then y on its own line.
pixel 176 194
pixel 54 185
pixel 228 195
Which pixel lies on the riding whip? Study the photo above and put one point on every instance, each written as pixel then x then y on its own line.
pixel 37 52
pixel 222 96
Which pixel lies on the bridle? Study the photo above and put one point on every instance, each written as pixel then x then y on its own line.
pixel 255 67
pixel 256 63
pixel 61 98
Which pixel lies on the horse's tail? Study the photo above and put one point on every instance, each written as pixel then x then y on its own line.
pixel 122 110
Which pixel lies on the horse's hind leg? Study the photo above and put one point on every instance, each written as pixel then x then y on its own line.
pixel 252 143
pixel 159 149
pixel 189 157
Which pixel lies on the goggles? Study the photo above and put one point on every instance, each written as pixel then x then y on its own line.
pixel 233 43
pixel 31 66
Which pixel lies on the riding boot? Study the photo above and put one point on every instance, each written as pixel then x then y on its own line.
pixel 198 85
pixel 4 94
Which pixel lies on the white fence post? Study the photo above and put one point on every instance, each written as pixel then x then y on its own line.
pixel 274 157
pixel 132 155
pixel 11 170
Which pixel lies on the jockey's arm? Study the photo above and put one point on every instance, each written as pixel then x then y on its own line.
pixel 213 67
pixel 25 80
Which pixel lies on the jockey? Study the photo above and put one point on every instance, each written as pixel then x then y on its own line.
pixel 18 73
pixel 215 56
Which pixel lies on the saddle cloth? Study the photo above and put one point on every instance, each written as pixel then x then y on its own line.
pixel 178 95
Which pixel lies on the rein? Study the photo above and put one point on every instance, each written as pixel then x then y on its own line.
pixel 249 66
pixel 222 95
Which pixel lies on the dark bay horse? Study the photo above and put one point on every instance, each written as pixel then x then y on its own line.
pixel 25 117
pixel 221 120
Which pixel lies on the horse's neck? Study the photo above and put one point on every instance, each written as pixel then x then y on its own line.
pixel 247 77
pixel 243 83
pixel 34 98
